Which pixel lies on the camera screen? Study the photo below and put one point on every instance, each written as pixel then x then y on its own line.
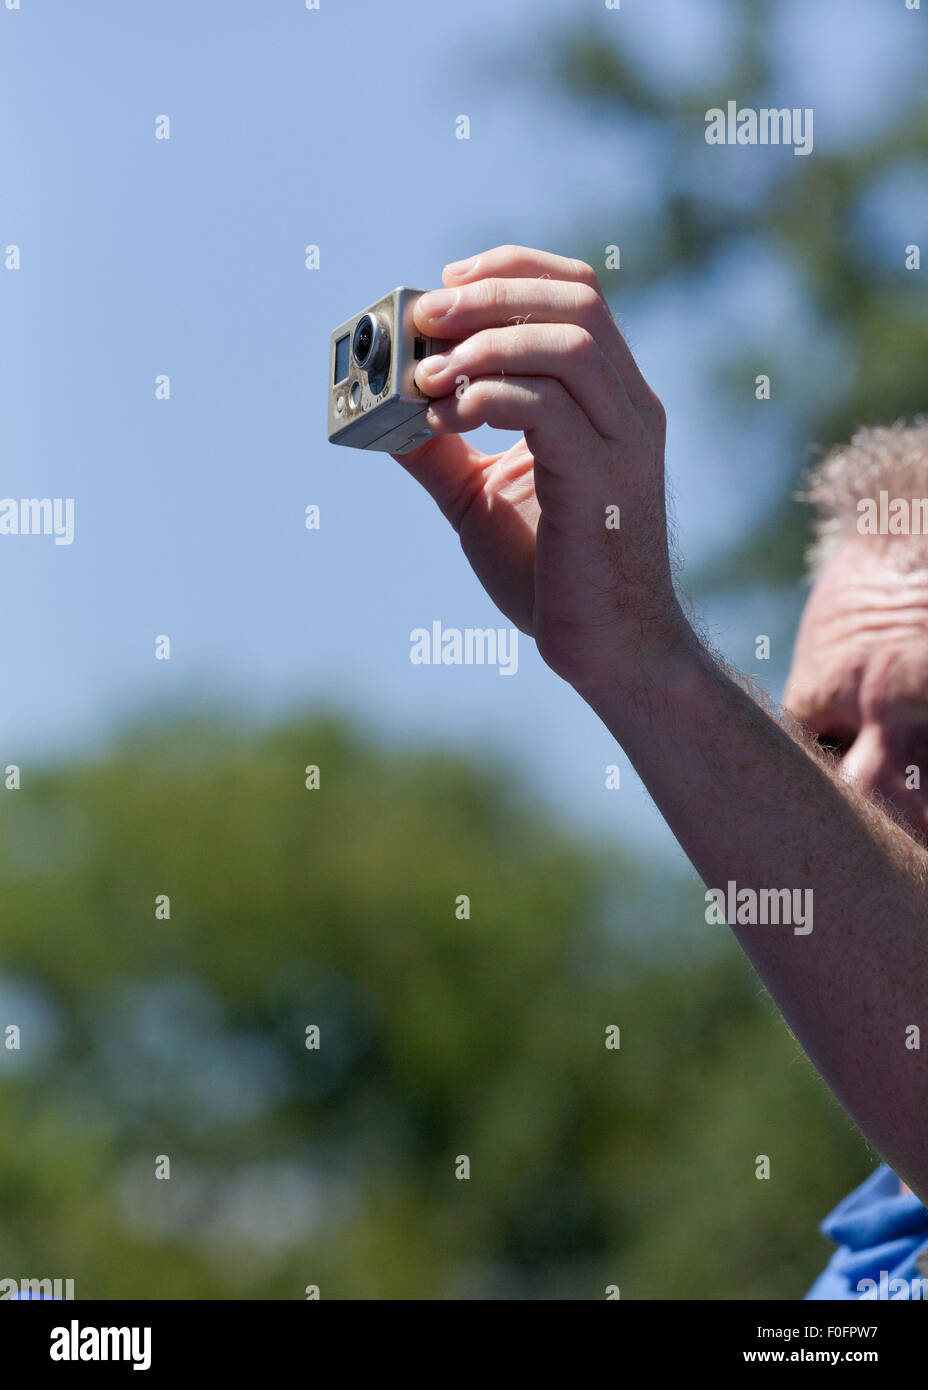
pixel 342 348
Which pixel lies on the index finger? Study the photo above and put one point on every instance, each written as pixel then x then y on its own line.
pixel 519 262
pixel 526 263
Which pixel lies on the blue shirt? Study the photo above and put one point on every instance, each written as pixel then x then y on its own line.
pixel 880 1232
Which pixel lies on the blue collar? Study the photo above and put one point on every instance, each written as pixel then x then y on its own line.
pixel 880 1232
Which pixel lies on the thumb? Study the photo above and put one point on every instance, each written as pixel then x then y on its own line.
pixel 446 465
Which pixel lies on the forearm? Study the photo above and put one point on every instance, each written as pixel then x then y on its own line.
pixel 541 353
pixel 749 804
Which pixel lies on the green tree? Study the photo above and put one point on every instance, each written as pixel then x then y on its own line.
pixel 857 355
pixel 440 1036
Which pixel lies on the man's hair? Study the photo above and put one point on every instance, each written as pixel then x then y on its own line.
pixel 881 458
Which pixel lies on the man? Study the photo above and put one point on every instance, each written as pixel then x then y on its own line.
pixel 859 684
pixel 822 805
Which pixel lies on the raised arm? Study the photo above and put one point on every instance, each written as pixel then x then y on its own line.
pixel 753 807
pixel 567 531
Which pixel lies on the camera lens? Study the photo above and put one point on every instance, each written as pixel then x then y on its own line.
pixel 371 348
pixel 363 339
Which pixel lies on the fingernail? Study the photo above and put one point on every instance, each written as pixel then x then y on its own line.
pixel 461 267
pixel 437 303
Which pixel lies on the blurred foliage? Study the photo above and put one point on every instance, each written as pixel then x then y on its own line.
pixel 439 1037
pixel 336 907
pixel 860 357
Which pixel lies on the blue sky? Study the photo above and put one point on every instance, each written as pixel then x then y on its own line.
pixel 185 257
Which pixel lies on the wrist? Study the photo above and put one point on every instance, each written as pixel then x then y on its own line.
pixel 642 667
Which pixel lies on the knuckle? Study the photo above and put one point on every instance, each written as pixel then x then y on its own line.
pixel 479 350
pixel 579 344
pixel 518 338
pixel 585 273
pixel 490 294
pixel 479 391
pixel 589 302
pixel 551 395
pixel 657 415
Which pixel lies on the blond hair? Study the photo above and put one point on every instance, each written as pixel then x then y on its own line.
pixel 881 458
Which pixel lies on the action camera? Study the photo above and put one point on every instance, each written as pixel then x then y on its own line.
pixel 374 403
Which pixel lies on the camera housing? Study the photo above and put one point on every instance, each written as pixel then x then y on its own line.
pixel 374 403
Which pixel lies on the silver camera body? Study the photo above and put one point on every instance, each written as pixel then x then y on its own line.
pixel 373 401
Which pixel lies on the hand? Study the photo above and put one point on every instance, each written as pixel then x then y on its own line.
pixel 540 352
